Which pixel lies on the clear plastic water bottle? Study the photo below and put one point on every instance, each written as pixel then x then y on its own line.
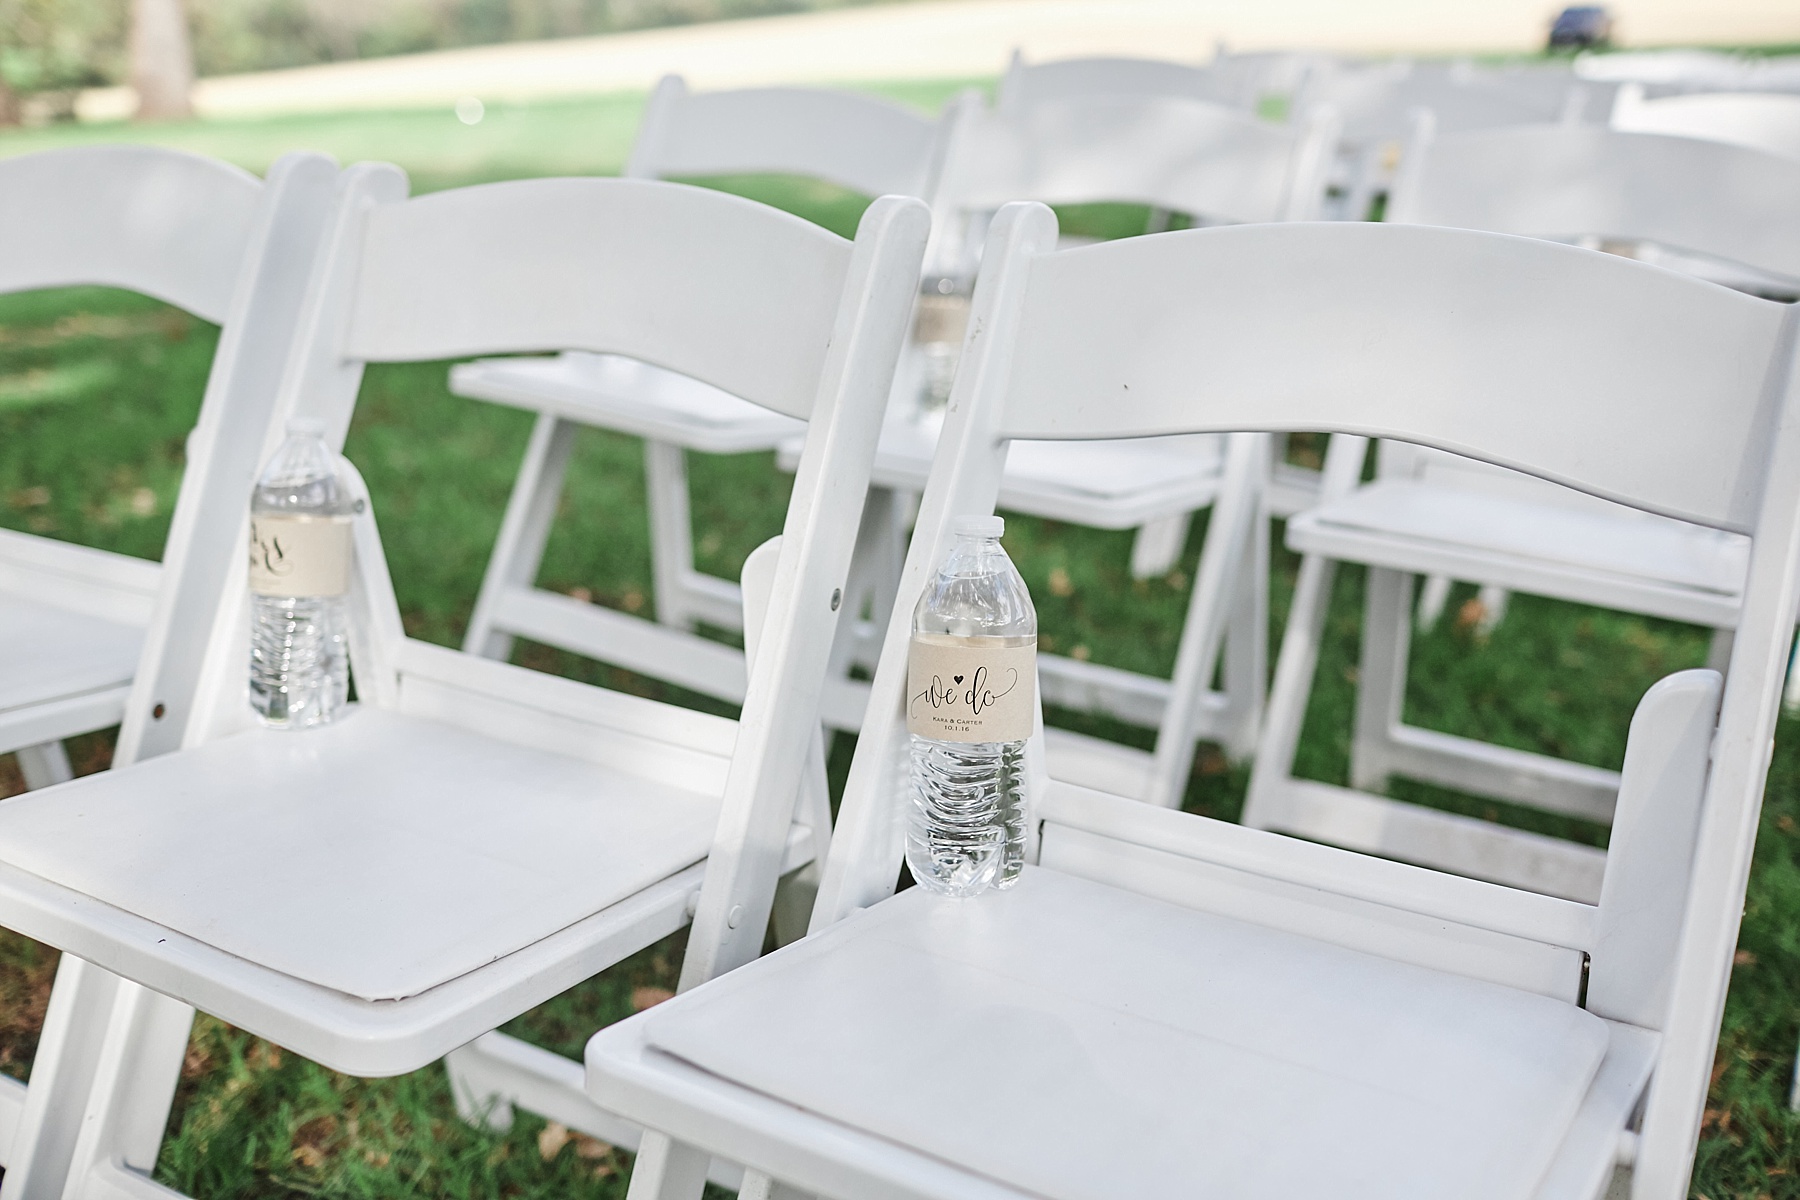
pixel 300 557
pixel 970 705
pixel 938 328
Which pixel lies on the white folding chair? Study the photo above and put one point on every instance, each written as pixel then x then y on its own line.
pixel 857 142
pixel 1214 164
pixel 1168 1005
pixel 474 837
pixel 1769 121
pixel 196 233
pixel 219 243
pixel 1378 103
pixel 1438 515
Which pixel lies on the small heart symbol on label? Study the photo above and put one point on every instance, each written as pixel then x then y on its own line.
pixel 959 679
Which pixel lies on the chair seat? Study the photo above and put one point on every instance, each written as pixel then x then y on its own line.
pixel 1591 552
pixel 379 856
pixel 613 392
pixel 1071 1040
pixel 49 654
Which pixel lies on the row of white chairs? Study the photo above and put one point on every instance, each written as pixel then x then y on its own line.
pixel 60 574
pixel 477 837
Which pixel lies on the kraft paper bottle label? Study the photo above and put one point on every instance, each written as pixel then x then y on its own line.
pixel 942 318
pixel 299 555
pixel 971 689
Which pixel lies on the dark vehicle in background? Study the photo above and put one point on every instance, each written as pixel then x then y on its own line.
pixel 1581 27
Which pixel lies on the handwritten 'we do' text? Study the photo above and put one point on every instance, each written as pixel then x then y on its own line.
pixel 978 697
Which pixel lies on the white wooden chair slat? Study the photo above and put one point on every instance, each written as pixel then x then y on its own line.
pixel 1379 351
pixel 921 970
pixel 173 226
pixel 416 297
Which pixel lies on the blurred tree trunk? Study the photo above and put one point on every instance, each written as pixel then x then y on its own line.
pixel 162 61
pixel 9 105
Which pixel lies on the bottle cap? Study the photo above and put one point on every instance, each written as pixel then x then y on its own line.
pixel 983 527
pixel 306 426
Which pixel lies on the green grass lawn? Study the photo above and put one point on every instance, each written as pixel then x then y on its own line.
pixel 98 389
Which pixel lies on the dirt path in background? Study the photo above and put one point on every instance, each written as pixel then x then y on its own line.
pixel 936 39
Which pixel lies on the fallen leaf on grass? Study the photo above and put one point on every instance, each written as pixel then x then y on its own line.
pixel 649 997
pixel 1471 615
pixel 1743 958
pixel 1060 583
pixel 591 1147
pixel 555 1136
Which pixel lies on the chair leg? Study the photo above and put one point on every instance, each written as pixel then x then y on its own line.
pixel 1286 711
pixel 1790 695
pixel 1247 648
pixel 134 1088
pixel 1432 598
pixel 796 892
pixel 1794 1085
pixel 1718 651
pixel 44 764
pixel 1493 608
pixel 758 1186
pixel 1228 540
pixel 671 531
pixel 873 579
pixel 524 531
pixel 1381 677
pixel 1158 544
pixel 669 1170
pixel 101 1085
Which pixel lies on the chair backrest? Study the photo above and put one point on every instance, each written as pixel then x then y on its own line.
pixel 214 240
pixel 1766 121
pixel 1186 155
pixel 741 296
pixel 859 142
pixel 1577 367
pixel 1566 182
pixel 1027 84
pixel 170 225
pixel 1376 100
